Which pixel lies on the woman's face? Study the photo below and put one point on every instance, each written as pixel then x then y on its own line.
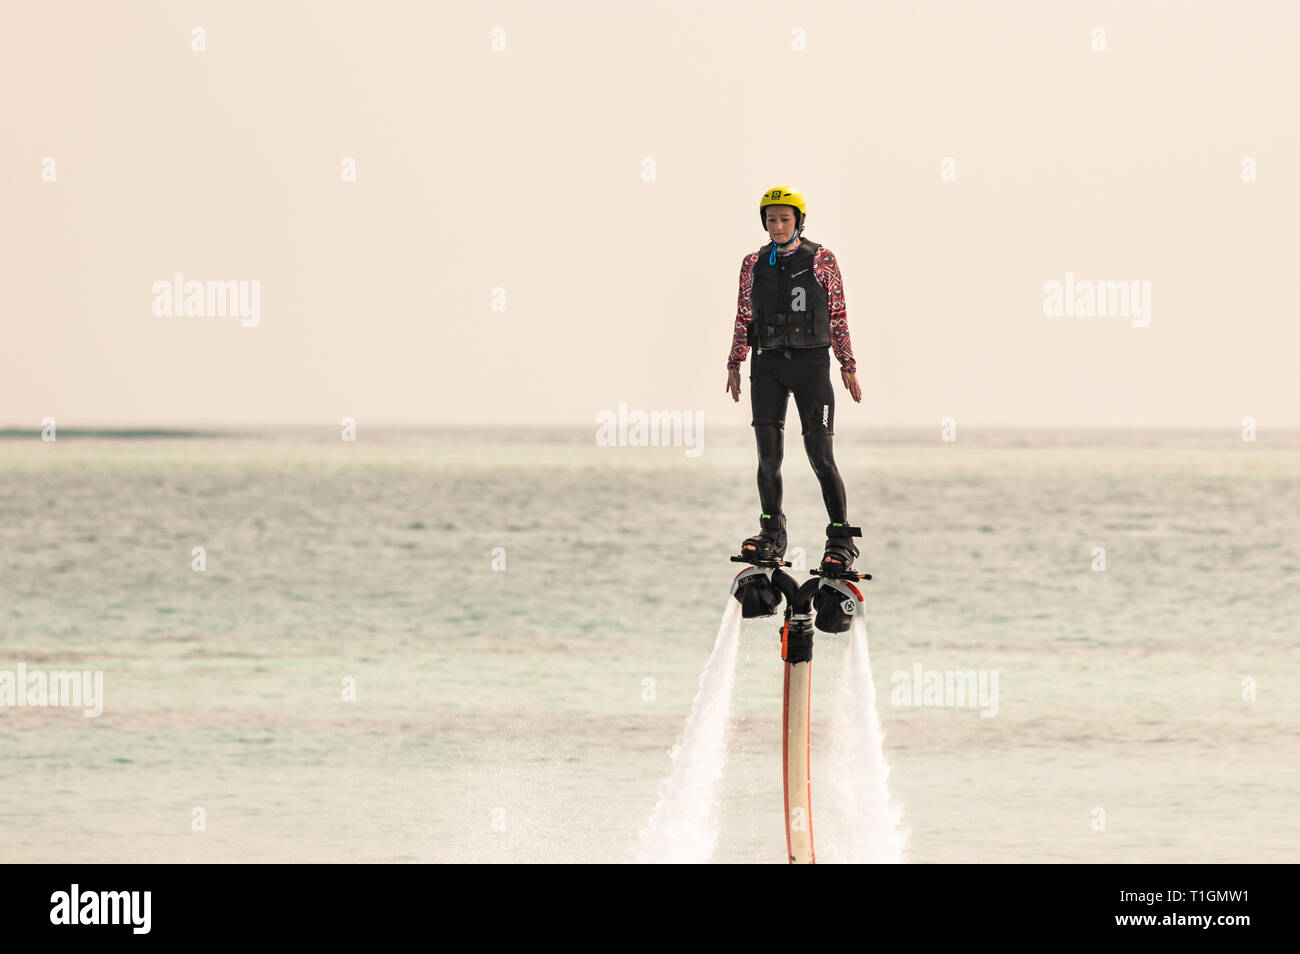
pixel 780 222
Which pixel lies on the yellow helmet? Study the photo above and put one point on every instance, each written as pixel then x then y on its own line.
pixel 782 196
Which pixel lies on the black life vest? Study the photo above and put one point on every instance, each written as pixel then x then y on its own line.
pixel 790 304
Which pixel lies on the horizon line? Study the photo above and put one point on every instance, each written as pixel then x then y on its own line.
pixel 234 428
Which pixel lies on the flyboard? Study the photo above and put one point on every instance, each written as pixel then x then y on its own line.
pixel 827 602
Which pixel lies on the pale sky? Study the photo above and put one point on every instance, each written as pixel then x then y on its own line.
pixel 524 169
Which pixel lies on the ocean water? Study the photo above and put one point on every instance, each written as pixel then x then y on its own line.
pixel 523 711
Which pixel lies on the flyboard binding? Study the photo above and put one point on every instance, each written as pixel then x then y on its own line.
pixel 828 602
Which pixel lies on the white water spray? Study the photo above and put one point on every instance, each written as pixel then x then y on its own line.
pixel 684 826
pixel 860 824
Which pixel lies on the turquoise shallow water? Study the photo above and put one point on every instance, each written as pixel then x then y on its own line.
pixel 508 715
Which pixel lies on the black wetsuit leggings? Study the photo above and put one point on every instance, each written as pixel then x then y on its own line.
pixel 773 377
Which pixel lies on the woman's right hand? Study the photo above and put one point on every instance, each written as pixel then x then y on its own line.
pixel 733 383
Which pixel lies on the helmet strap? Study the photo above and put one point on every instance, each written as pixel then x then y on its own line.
pixel 771 259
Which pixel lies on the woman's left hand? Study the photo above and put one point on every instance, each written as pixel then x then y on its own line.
pixel 851 382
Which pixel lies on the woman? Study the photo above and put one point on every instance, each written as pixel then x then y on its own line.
pixel 791 310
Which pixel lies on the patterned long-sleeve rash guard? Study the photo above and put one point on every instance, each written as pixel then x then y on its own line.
pixel 826 271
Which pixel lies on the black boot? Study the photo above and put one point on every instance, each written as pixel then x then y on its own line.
pixel 840 551
pixel 768 545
